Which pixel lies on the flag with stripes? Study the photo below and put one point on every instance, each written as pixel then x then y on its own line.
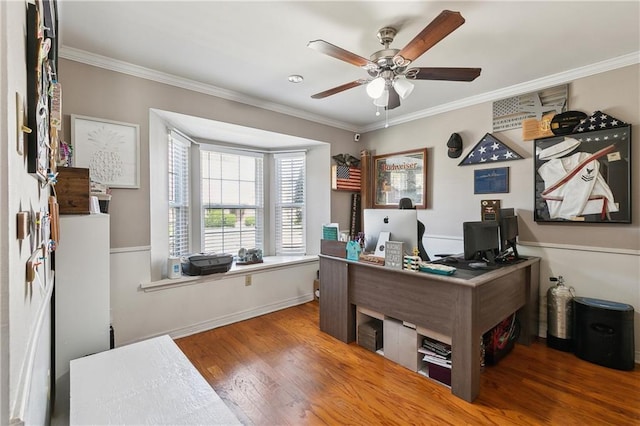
pixel 346 178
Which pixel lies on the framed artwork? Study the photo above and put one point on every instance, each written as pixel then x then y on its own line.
pixel 491 181
pixel 584 177
pixel 109 149
pixel 400 175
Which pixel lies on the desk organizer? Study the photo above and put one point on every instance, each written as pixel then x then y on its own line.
pixel 333 248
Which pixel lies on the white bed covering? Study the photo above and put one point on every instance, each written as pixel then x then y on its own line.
pixel 150 382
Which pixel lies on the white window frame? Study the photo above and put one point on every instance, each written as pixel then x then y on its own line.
pixel 260 202
pixel 318 212
pixel 279 204
pixel 183 201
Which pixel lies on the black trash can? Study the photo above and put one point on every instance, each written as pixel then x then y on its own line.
pixel 603 332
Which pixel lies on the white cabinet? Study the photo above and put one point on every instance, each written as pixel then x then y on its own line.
pixel 82 293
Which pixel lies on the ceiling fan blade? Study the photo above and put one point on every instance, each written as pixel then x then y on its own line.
pixel 439 28
pixel 394 99
pixel 339 89
pixel 339 53
pixel 451 74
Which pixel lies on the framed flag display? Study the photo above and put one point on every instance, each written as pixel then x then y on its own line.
pixel 489 150
pixel 584 177
pixel 345 178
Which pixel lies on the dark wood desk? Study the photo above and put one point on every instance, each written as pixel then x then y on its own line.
pixel 463 306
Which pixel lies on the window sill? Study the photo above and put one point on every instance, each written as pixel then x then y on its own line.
pixel 269 263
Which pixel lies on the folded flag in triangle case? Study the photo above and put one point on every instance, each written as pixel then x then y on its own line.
pixel 598 121
pixel 490 150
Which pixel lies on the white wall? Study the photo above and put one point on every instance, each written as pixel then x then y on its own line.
pixel 601 261
pixel 188 309
pixel 25 308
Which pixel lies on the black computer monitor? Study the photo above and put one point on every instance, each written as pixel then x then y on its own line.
pixel 481 240
pixel 508 235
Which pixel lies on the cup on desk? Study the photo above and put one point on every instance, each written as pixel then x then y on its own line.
pixel 94 205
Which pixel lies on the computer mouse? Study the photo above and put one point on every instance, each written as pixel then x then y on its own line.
pixel 478 265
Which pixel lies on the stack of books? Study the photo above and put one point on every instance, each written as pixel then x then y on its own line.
pixel 437 355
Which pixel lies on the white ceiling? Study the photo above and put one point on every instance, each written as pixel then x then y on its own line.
pixel 245 50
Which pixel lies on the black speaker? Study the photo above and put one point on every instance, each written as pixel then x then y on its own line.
pixel 603 332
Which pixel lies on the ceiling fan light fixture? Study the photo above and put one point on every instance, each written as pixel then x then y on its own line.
pixel 382 100
pixel 375 88
pixel 403 87
pixel 295 78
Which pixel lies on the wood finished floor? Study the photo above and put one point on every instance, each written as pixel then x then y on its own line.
pixel 279 369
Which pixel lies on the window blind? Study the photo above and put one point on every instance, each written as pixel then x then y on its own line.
pixel 178 167
pixel 290 172
pixel 232 200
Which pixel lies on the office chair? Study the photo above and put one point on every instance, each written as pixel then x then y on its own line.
pixel 406 204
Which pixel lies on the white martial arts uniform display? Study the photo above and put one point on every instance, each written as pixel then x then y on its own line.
pixel 574 186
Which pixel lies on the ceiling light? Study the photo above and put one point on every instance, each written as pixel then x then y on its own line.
pixel 403 87
pixel 295 78
pixel 382 100
pixel 376 87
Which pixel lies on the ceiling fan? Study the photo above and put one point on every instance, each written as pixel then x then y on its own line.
pixel 387 68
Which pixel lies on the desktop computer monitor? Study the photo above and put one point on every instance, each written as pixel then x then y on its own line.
pixel 401 224
pixel 508 234
pixel 481 241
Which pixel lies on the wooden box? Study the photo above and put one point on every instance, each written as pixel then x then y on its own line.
pixel 333 248
pixel 370 335
pixel 72 190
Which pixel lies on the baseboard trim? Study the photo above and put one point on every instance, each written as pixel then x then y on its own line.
pixel 23 394
pixel 230 318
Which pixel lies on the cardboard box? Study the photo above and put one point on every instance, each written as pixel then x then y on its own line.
pixel 72 190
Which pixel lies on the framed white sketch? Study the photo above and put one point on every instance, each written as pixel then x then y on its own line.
pixel 109 149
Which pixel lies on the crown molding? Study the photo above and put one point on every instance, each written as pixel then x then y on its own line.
pixel 517 89
pixel 107 63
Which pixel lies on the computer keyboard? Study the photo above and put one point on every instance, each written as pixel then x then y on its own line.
pixel 436 268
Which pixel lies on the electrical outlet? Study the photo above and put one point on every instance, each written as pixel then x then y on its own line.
pixel 247 280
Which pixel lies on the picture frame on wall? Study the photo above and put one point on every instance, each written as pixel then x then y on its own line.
pixel 109 149
pixel 400 175
pixel 584 177
pixel 491 181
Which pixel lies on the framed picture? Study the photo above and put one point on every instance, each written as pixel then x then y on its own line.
pixel 109 149
pixel 584 177
pixel 400 175
pixel 491 181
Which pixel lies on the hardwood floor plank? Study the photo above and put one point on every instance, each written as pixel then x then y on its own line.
pixel 280 369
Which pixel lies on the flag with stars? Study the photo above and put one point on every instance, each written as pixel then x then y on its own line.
pixel 489 150
pixel 598 121
pixel 345 178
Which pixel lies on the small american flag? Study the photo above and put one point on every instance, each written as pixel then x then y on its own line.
pixel 346 178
